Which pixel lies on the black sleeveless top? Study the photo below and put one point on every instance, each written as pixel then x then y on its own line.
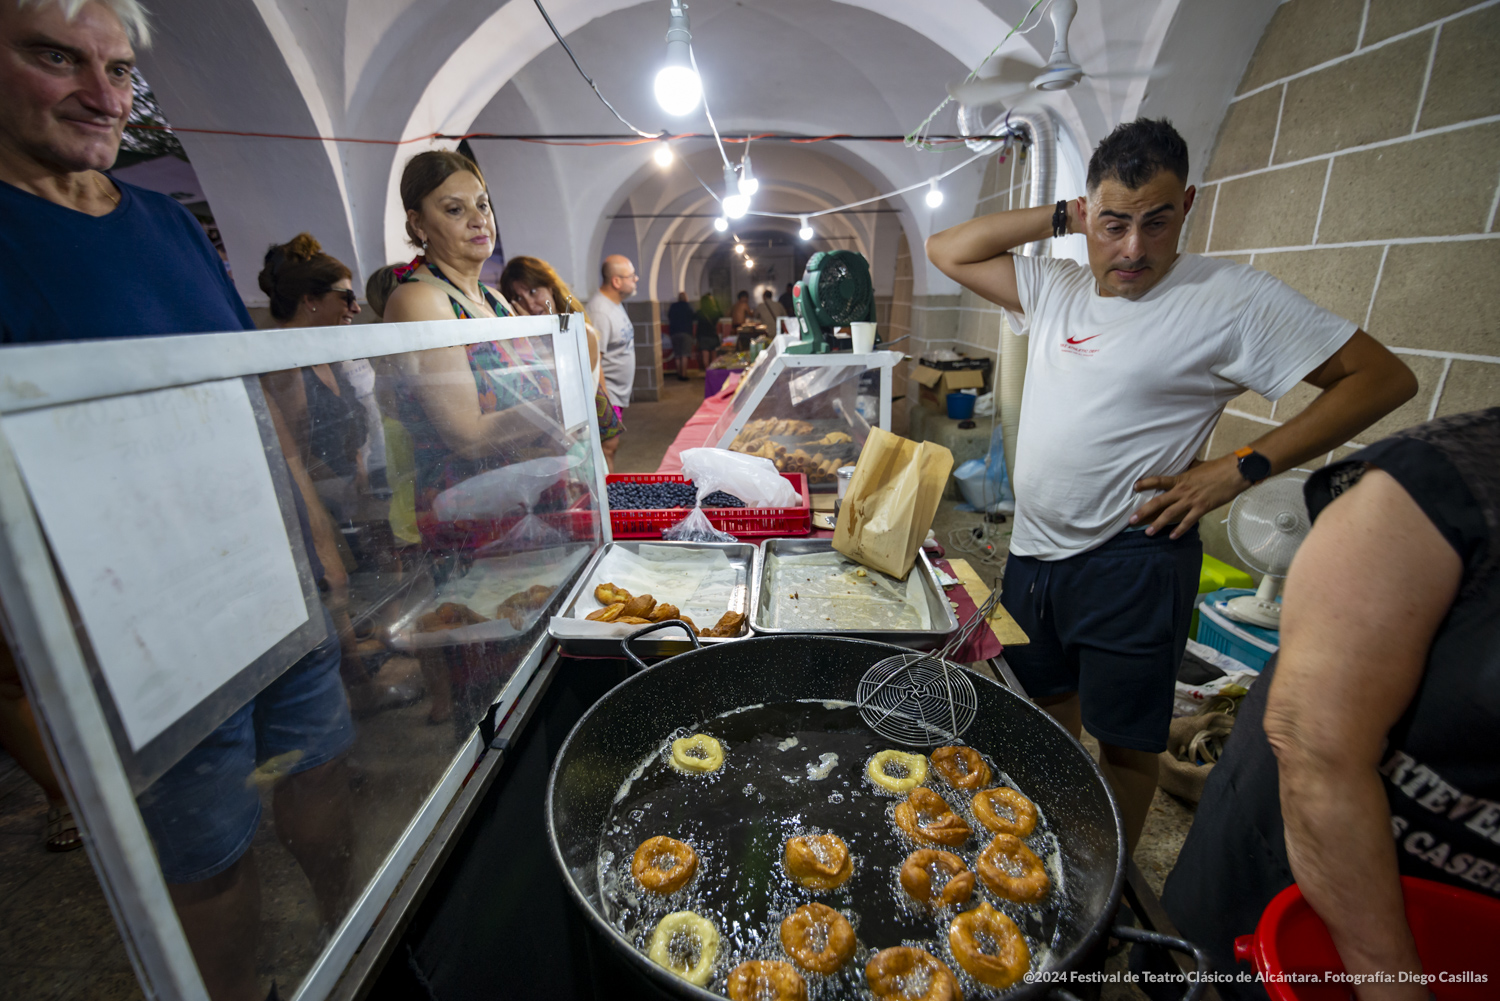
pixel 1441 765
pixel 336 422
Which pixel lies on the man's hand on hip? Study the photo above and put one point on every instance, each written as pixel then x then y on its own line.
pixel 1189 495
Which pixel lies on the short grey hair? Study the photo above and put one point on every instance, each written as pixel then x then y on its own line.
pixel 130 12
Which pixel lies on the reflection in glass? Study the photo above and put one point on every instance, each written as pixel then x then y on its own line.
pixel 445 508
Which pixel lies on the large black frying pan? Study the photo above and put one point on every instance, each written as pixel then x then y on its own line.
pixel 631 720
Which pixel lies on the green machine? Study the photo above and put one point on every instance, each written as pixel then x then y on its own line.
pixel 835 291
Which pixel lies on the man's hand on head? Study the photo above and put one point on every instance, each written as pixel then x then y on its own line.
pixel 1189 495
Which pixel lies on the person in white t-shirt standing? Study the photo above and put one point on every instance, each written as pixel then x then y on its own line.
pixel 1130 362
pixel 616 337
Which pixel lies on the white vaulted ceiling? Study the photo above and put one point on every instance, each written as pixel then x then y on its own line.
pixel 399 70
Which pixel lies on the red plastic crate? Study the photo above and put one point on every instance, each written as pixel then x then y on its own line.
pixel 741 522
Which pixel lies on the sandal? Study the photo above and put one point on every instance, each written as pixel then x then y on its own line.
pixel 62 830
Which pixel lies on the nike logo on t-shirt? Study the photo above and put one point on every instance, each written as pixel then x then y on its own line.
pixel 1080 340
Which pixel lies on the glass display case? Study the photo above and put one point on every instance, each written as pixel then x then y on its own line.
pixel 271 593
pixel 808 413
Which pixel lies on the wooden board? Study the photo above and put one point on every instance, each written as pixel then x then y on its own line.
pixel 1006 629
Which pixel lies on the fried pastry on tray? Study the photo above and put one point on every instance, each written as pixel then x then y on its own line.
pixel 640 606
pixel 662 612
pixel 634 620
pixel 728 625
pixel 608 594
pixel 608 613
pixel 448 615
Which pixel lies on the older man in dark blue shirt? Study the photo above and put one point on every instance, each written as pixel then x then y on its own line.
pixel 86 255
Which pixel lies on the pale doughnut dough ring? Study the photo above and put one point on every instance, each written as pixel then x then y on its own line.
pixel 693 924
pixel 713 754
pixel 916 771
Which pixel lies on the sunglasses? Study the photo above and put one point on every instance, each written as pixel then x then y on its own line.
pixel 346 293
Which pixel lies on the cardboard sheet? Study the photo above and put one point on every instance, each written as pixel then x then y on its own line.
pixel 162 513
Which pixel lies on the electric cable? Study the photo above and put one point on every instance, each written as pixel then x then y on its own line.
pixel 590 80
pixel 917 137
pixel 709 114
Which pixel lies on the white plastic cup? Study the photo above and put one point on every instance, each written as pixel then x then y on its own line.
pixel 864 337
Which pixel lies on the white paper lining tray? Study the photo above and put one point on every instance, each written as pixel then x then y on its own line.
pixel 703 579
pixel 835 592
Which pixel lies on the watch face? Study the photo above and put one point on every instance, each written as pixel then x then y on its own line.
pixel 1255 467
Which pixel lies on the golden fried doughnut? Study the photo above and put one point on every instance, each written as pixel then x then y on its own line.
pixel 1013 871
pixel 686 944
pixel 989 947
pixel 609 594
pixel 926 816
pixel 664 865
pixel 1005 811
pixel 634 620
pixel 897 771
pixel 766 980
pixel 818 938
pixel 904 973
pixel 448 615
pixel 640 606
pixel 608 613
pixel 936 878
pixel 819 862
pixel 961 767
pixel 698 753
pixel 662 612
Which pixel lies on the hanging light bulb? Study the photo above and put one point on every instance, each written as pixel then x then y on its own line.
pixel 806 232
pixel 663 155
pixel 934 194
pixel 749 184
pixel 735 205
pixel 739 248
pixel 678 89
pixel 749 264
pixel 721 224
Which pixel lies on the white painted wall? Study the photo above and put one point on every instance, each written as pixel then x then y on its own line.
pixel 397 69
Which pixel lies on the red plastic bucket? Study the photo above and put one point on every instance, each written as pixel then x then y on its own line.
pixel 1456 933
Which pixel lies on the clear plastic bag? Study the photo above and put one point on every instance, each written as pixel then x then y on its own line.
pixel 751 478
pixel 696 528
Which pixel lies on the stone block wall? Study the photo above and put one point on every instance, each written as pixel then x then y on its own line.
pixel 1360 163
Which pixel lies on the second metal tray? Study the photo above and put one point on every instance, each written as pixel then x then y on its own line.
pixel 944 622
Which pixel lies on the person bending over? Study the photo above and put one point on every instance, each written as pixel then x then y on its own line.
pixel 1130 361
pixel 1365 752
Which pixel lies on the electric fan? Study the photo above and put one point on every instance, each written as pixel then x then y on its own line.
pixel 835 291
pixel 1266 525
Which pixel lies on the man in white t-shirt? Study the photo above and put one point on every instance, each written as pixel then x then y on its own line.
pixel 1130 361
pixel 616 336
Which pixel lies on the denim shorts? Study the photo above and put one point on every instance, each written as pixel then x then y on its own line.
pixel 1110 624
pixel 203 812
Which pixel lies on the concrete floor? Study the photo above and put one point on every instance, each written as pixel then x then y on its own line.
pixel 650 426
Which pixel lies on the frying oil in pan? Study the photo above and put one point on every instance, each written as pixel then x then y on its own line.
pixel 790 769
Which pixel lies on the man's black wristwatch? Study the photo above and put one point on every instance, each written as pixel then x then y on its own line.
pixel 1254 467
pixel 1060 219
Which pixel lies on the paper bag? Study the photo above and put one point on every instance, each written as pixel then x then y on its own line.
pixel 885 515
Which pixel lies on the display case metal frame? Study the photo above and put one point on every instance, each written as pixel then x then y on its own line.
pixel 56 674
pixel 778 362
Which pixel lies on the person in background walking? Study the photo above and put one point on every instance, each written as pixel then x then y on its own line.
pixel 680 324
pixel 708 329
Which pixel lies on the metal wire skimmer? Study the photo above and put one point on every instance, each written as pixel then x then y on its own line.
pixel 920 699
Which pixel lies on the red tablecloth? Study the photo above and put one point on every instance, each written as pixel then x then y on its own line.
pixel 695 432
pixel 983 644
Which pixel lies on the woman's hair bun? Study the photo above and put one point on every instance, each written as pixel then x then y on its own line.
pixel 302 247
